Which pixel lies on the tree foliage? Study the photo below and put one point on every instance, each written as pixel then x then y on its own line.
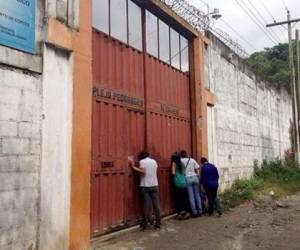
pixel 271 64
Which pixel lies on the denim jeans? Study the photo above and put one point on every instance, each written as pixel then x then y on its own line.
pixel 194 194
pixel 150 193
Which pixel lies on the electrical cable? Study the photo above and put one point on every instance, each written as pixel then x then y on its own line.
pixel 260 22
pixel 253 20
pixel 238 34
pixel 285 6
pixel 283 28
pixel 262 18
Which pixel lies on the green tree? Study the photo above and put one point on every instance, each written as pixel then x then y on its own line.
pixel 271 64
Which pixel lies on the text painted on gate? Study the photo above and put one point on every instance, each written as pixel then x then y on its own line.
pixel 115 96
pixel 167 109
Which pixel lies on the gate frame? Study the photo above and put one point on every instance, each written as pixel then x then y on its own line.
pixel 80 43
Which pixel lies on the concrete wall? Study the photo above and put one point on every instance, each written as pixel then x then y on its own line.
pixel 20 128
pixel 20 142
pixel 56 149
pixel 251 119
pixel 35 166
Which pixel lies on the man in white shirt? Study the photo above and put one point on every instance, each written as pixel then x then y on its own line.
pixel 149 187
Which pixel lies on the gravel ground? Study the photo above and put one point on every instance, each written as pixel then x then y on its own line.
pixel 263 223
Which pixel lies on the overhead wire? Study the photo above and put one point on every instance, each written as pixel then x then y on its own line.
pixel 256 23
pixel 263 18
pixel 282 28
pixel 260 23
pixel 238 34
pixel 231 28
pixel 284 4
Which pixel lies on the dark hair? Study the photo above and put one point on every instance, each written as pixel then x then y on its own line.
pixel 176 158
pixel 183 154
pixel 143 154
pixel 203 160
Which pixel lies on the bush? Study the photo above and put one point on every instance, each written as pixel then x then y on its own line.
pixel 241 190
pixel 278 171
pixel 283 175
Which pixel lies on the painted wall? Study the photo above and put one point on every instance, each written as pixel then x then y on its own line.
pixel 251 119
pixel 56 149
pixel 36 93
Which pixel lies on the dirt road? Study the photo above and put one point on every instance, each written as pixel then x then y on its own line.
pixel 260 224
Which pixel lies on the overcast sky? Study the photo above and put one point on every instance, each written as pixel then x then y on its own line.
pixel 255 38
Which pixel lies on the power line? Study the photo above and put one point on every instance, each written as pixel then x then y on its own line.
pixel 253 20
pixel 238 34
pixel 274 38
pixel 230 27
pixel 270 14
pixel 285 6
pixel 262 17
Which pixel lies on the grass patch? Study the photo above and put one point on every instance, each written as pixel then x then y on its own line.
pixel 280 176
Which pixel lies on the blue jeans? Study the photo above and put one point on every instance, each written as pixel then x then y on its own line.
pixel 194 194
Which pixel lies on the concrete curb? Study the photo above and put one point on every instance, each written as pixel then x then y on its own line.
pixel 96 242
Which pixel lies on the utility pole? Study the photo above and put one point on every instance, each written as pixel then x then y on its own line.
pixel 292 82
pixel 298 67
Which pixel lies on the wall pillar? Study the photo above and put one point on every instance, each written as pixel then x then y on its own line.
pixel 77 41
pixel 81 137
pixel 198 99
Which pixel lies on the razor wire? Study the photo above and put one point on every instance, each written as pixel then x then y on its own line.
pixel 202 23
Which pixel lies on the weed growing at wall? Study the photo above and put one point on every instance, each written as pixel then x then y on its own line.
pixel 279 177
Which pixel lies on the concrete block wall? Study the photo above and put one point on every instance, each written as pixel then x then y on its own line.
pixel 251 119
pixel 20 140
pixel 35 166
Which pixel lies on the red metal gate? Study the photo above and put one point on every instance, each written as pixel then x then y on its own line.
pixel 125 117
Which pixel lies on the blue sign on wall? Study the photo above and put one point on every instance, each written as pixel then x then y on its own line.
pixel 17 24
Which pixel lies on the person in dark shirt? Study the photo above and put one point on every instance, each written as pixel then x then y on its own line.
pixel 210 182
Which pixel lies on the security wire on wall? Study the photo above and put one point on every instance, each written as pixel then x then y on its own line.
pixel 201 22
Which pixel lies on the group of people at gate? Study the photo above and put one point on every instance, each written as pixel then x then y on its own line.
pixel 195 187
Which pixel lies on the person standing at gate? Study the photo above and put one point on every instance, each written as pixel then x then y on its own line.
pixel 192 183
pixel 149 187
pixel 210 182
pixel 179 184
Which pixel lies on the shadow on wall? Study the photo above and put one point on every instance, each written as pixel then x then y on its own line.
pixel 291 132
pixel 267 151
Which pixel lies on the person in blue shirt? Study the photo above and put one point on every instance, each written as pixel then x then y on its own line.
pixel 210 182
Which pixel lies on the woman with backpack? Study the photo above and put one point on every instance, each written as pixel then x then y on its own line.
pixel 179 183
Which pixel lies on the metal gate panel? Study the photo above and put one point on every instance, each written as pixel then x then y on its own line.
pixel 167 87
pixel 108 211
pixel 116 66
pixel 119 125
pixel 167 134
pixel 135 144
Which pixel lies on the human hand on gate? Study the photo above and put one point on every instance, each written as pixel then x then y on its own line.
pixel 131 160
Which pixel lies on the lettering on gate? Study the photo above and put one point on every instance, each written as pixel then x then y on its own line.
pixel 107 164
pixel 115 96
pixel 170 110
